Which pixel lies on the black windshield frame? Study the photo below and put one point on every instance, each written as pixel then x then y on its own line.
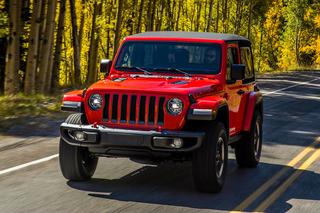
pixel 216 46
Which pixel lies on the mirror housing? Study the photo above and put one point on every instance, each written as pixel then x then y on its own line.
pixel 238 71
pixel 105 66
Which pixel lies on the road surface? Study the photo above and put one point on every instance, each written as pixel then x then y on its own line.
pixel 287 179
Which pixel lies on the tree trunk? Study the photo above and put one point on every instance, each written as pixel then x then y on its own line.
pixel 198 14
pixel 93 51
pixel 210 16
pixel 46 51
pixel 108 40
pixel 76 45
pixel 250 19
pixel 178 15
pixel 225 16
pixel 11 81
pixel 148 22
pixel 237 22
pixel 48 85
pixel 81 24
pixel 118 26
pixel 133 17
pixel 29 85
pixel 57 51
pixel 153 15
pixel 42 30
pixel 216 28
pixel 159 20
pixel 138 30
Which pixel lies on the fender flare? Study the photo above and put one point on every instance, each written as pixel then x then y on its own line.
pixel 255 100
pixel 206 109
pixel 73 101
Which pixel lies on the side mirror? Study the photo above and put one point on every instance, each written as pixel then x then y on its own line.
pixel 105 66
pixel 237 71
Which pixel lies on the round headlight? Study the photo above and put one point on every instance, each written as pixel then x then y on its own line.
pixel 95 101
pixel 175 106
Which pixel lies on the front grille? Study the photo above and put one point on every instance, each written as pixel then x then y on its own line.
pixel 133 109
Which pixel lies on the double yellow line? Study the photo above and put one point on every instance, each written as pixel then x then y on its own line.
pixel 284 186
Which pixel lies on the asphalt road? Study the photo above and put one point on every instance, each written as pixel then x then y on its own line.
pixel 287 179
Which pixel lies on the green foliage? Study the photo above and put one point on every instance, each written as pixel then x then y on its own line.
pixel 22 106
pixel 3 20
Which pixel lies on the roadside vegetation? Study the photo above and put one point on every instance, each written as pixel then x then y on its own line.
pixel 15 110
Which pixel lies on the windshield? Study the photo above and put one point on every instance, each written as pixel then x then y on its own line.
pixel 192 58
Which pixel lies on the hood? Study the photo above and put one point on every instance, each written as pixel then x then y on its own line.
pixel 158 84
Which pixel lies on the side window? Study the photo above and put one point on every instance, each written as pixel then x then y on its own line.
pixel 246 59
pixel 232 58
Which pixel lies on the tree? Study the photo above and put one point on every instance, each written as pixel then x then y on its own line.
pixel 29 84
pixel 118 25
pixel 45 70
pixel 209 16
pixel 140 17
pixel 76 45
pixel 94 42
pixel 57 51
pixel 11 83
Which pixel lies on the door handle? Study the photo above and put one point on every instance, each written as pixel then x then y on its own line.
pixel 240 92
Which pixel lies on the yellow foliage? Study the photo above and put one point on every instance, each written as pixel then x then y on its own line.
pixel 287 59
pixel 317 21
pixel 318 51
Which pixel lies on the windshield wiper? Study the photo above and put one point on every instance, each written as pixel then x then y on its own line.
pixel 174 69
pixel 146 72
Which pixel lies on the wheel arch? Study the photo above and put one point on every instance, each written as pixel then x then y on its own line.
pixel 254 103
pixel 220 113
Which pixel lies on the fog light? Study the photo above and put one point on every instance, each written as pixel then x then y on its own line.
pixel 177 143
pixel 80 136
pixel 168 142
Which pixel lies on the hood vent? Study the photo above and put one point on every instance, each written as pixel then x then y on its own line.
pixel 118 79
pixel 179 82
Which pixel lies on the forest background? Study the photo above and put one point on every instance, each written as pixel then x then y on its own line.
pixel 46 45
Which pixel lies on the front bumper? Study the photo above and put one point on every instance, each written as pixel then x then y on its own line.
pixel 107 138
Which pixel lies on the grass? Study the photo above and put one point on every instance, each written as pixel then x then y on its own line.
pixel 15 109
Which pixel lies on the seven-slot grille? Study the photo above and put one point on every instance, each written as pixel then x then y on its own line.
pixel 133 109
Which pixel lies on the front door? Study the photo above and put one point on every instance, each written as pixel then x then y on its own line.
pixel 235 92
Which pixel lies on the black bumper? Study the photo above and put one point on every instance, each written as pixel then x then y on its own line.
pixel 106 138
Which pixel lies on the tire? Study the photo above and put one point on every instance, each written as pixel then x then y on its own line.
pixel 76 163
pixel 209 166
pixel 248 149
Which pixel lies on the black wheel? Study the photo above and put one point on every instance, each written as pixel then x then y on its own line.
pixel 210 161
pixel 248 149
pixel 76 163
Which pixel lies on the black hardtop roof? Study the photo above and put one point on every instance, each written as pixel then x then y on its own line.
pixel 203 35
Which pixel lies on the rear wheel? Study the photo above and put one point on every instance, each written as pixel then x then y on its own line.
pixel 76 163
pixel 248 149
pixel 210 161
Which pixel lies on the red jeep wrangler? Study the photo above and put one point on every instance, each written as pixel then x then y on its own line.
pixel 168 96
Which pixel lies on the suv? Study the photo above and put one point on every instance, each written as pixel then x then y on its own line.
pixel 168 96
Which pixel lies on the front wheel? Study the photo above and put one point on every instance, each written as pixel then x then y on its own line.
pixel 209 164
pixel 76 163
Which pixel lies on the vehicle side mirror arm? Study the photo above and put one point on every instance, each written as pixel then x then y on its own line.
pixel 105 66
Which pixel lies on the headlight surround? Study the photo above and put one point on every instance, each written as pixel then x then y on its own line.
pixel 95 101
pixel 174 106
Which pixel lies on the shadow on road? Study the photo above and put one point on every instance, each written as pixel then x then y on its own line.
pixel 171 184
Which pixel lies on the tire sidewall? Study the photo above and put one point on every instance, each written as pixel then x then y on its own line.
pixel 257 118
